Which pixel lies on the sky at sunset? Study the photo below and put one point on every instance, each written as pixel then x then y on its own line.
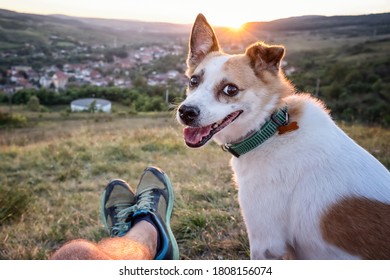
pixel 218 12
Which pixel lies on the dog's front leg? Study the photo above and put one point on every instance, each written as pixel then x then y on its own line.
pixel 266 232
pixel 265 217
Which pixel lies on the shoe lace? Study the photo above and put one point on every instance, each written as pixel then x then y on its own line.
pixel 120 225
pixel 144 203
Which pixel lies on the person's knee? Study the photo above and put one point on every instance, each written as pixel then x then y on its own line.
pixel 79 250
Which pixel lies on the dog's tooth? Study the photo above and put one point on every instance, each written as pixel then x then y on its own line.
pixel 215 125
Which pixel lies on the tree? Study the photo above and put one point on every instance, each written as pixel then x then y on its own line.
pixel 33 104
pixel 92 107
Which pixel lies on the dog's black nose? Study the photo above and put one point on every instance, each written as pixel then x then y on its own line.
pixel 188 114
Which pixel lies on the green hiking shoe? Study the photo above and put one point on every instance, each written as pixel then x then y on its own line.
pixel 116 198
pixel 154 196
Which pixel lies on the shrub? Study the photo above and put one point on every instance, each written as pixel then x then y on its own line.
pixel 12 120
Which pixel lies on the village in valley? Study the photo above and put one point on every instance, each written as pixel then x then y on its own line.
pixel 96 71
pixel 54 61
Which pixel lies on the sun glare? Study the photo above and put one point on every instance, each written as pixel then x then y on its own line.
pixel 234 24
pixel 236 28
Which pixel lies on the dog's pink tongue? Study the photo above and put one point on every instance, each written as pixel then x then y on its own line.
pixel 194 135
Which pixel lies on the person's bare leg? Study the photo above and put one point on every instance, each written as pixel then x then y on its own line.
pixel 142 238
pixel 140 243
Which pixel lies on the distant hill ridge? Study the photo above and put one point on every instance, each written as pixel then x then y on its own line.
pixel 320 22
pixel 17 29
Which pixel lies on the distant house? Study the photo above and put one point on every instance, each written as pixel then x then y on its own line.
pixel 87 104
pixel 45 81
pixel 16 69
pixel 60 79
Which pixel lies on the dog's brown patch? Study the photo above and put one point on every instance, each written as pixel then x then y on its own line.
pixel 265 57
pixel 359 226
pixel 238 71
pixel 275 82
pixel 295 109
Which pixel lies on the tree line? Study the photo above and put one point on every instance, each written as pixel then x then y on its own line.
pixel 141 99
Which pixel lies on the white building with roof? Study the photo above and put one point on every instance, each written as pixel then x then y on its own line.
pixel 85 104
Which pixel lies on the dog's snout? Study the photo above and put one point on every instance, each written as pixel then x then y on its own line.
pixel 189 114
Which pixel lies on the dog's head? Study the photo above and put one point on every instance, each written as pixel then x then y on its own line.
pixel 228 96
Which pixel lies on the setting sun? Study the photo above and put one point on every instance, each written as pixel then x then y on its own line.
pixel 236 29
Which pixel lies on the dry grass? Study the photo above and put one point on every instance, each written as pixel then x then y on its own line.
pixel 60 169
pixel 64 167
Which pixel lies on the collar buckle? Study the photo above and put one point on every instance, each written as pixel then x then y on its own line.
pixel 276 120
pixel 228 148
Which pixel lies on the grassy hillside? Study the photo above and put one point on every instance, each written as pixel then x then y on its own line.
pixel 52 176
pixel 17 29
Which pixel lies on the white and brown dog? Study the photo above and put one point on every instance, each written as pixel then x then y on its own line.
pixel 303 184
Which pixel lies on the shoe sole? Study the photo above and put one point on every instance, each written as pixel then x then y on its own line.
pixel 165 178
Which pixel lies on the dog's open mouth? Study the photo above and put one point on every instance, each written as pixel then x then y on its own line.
pixel 198 136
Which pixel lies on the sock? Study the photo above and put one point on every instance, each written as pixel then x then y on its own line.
pixel 148 218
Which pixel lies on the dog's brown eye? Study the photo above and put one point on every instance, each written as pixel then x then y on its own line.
pixel 194 81
pixel 230 90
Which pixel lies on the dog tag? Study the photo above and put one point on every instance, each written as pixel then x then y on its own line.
pixel 288 127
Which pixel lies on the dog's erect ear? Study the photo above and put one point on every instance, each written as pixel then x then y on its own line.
pixel 202 41
pixel 264 57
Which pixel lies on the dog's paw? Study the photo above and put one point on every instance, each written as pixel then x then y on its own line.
pixel 287 253
pixel 266 255
pixel 290 253
pixel 270 256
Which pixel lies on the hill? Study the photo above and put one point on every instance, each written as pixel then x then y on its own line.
pixel 380 21
pixel 132 25
pixel 17 29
